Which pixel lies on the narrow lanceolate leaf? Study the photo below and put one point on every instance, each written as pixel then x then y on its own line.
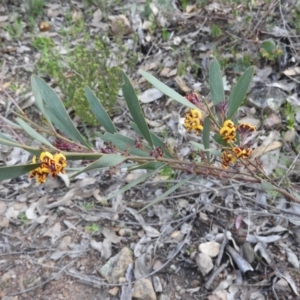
pixel 216 82
pixel 55 110
pixel 135 109
pixel 166 90
pixel 15 171
pixel 39 100
pixel 168 192
pixel 4 137
pixel 239 91
pixel 106 161
pixel 11 124
pixel 99 111
pixel 206 134
pixel 34 134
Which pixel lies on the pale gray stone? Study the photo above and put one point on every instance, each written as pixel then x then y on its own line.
pixel 143 290
pixel 204 263
pixel 116 267
pixel 211 249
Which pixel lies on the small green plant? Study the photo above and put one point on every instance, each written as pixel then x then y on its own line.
pixel 165 34
pixel 15 30
pixel 269 50
pixel 216 31
pixel 43 44
pixel 85 67
pixel 225 150
pixel 184 4
pixel 35 8
pixel 289 112
pixel 88 205
pixel 93 228
pixel 22 217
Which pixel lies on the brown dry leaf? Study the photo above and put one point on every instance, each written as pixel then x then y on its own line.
pixel 292 71
pixel 120 25
pixel 260 150
pixel 97 17
pixel 4 86
pixel 44 26
pixel 182 84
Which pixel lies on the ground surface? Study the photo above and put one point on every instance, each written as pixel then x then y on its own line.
pixel 54 238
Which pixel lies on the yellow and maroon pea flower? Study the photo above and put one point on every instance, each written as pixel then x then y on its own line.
pixel 245 128
pixel 242 152
pixel 60 163
pixel 227 158
pixel 228 131
pixel 193 121
pixel 49 164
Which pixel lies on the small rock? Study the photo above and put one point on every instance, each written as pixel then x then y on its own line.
pixel 143 290
pixel 64 243
pixel 204 263
pixel 122 280
pixel 125 232
pixel 7 276
pixel 211 249
pixel 195 283
pixel 114 291
pixel 290 135
pixel 282 285
pixel 272 122
pixel 117 266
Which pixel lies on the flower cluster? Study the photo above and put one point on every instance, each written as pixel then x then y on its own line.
pixel 228 131
pixel 230 156
pixel 193 121
pixel 227 158
pixel 49 164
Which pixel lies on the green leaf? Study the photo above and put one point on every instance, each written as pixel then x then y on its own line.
pixel 124 143
pixel 206 134
pixel 11 124
pixel 167 90
pixel 39 100
pixel 216 82
pixel 239 91
pixel 135 109
pixel 106 161
pixel 34 134
pixel 4 137
pixel 99 111
pixel 218 138
pixel 15 171
pixel 168 192
pixel 55 110
pixel 156 140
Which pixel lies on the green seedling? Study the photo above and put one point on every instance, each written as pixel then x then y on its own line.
pixel 93 228
pixel 22 217
pixel 270 51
